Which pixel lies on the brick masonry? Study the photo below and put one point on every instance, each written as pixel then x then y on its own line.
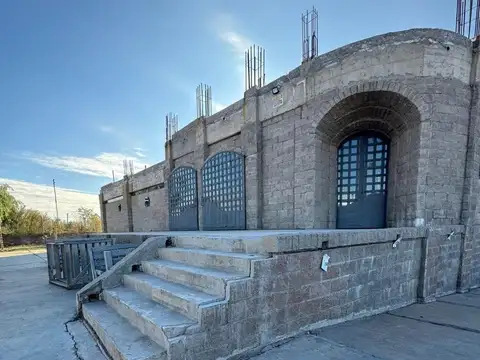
pixel 289 293
pixel 418 87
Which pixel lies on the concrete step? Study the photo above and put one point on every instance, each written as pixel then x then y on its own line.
pixel 211 281
pixel 121 340
pixel 227 261
pixel 183 299
pixel 214 242
pixel 156 321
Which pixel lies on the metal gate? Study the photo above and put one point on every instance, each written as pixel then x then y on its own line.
pixel 182 199
pixel 223 195
pixel 362 166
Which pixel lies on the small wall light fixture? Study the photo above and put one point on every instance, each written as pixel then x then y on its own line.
pixel 119 207
pixel 275 90
pixel 147 201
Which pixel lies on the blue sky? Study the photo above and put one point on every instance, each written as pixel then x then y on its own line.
pixel 85 84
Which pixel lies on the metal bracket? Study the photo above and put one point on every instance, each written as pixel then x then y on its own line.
pixel 325 260
pixel 399 238
pixel 449 237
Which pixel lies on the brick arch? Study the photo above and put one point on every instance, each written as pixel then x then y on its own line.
pixel 386 107
pixel 362 125
pixel 357 93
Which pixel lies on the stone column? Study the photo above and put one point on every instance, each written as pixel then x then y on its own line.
pixel 200 154
pixel 167 170
pixel 103 212
pixel 470 187
pixel 251 139
pixel 128 202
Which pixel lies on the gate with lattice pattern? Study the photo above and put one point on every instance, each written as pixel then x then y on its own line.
pixel 223 195
pixel 183 199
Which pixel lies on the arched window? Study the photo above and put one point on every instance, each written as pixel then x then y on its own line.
pixel 362 170
pixel 223 192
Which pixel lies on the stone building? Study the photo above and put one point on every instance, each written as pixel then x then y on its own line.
pixel 381 135
pixel 378 133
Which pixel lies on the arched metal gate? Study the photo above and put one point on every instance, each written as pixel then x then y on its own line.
pixel 362 182
pixel 223 195
pixel 182 199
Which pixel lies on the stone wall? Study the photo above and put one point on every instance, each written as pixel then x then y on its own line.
pixel 278 171
pixel 153 217
pixel 414 87
pixel 116 219
pixel 369 272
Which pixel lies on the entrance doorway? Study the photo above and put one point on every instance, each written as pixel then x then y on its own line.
pixel 362 169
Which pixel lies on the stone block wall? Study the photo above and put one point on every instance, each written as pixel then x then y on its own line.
pixel 153 217
pixel 278 171
pixel 116 220
pixel 290 138
pixel 289 293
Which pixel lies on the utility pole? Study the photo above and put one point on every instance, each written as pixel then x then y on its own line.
pixel 67 218
pixel 56 209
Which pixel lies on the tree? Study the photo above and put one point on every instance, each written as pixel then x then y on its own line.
pixel 89 221
pixel 8 206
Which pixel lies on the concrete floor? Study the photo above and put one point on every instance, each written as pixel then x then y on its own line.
pixel 34 315
pixel 443 330
pixel 34 319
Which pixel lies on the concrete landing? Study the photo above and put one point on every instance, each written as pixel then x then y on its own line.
pixel 443 330
pixel 34 315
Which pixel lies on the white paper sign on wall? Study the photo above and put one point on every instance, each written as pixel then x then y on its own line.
pixel 325 260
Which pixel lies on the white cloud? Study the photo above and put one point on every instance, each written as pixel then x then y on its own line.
pixel 140 152
pixel 238 43
pixel 100 165
pixel 41 198
pixel 106 129
pixel 227 29
pixel 216 107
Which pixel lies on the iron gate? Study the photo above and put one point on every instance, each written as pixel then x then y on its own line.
pixel 223 195
pixel 362 166
pixel 182 199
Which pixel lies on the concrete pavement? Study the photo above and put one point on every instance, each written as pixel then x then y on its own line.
pixel 34 325
pixel 443 330
pixel 34 315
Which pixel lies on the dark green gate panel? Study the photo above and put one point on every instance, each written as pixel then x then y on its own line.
pixel 362 166
pixel 183 199
pixel 223 195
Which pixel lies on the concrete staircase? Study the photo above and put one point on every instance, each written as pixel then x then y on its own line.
pixel 170 308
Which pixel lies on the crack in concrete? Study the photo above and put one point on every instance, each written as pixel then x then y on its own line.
pixel 346 346
pixel 67 330
pixel 455 303
pixel 437 323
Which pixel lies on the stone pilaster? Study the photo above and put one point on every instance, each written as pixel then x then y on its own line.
pixel 103 212
pixel 128 202
pixel 470 187
pixel 200 154
pixel 166 175
pixel 251 139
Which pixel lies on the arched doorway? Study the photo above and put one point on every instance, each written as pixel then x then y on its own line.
pixel 223 192
pixel 362 170
pixel 183 199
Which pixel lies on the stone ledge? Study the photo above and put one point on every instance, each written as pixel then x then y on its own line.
pixel 308 240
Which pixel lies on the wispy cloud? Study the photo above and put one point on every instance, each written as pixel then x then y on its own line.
pixel 237 42
pixel 216 107
pixel 41 198
pixel 100 165
pixel 140 152
pixel 228 30
pixel 106 129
